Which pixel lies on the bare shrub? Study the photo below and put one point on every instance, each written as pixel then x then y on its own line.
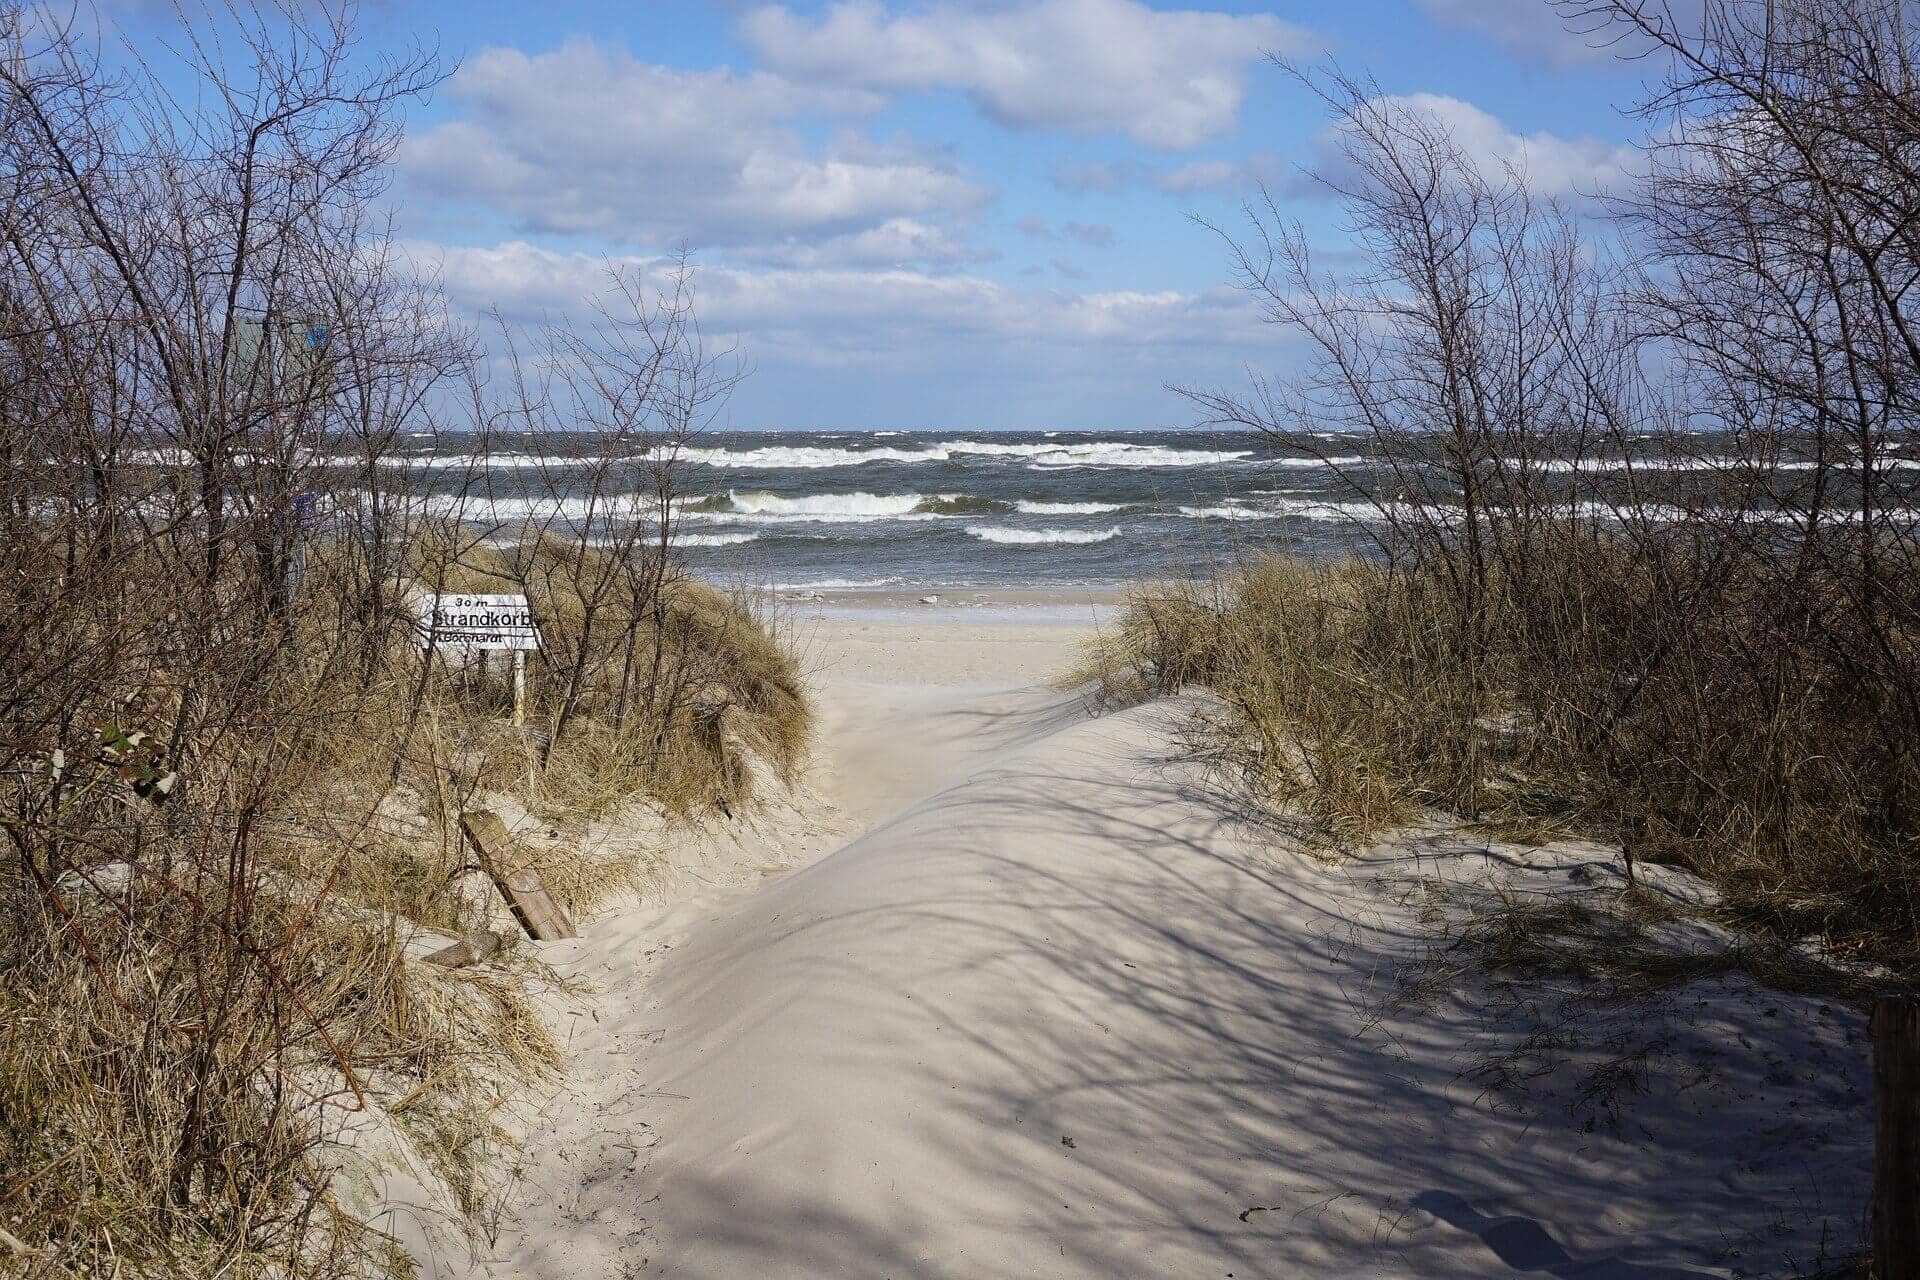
pixel 1676 609
pixel 232 777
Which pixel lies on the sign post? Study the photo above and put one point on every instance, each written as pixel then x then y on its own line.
pixel 468 621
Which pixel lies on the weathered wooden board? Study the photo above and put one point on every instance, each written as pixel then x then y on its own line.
pixel 537 912
pixel 466 951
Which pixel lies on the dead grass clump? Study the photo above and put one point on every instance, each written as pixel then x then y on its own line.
pixel 1349 699
pixel 1606 949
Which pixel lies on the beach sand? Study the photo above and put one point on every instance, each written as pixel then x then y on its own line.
pixel 1011 989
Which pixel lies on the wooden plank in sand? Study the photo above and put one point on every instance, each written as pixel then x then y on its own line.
pixel 537 912
pixel 466 951
pixel 1896 1111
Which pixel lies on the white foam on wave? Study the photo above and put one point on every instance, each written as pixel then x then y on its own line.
pixel 1587 466
pixel 1039 537
pixel 1704 462
pixel 495 461
pixel 1099 453
pixel 1231 513
pixel 1280 508
pixel 1114 453
pixel 754 503
pixel 838 584
pixel 179 457
pixel 712 539
pixel 807 456
pixel 1035 507
pixel 480 509
pixel 757 507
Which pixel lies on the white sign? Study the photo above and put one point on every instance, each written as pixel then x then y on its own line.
pixel 478 622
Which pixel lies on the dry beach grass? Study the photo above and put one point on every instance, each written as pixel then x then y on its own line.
pixel 303 976
pixel 1358 703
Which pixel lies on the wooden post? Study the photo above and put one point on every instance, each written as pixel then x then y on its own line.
pixel 1896 1137
pixel 537 913
pixel 519 686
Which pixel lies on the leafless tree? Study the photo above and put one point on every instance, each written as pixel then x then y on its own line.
pixel 1781 218
pixel 193 302
pixel 1643 465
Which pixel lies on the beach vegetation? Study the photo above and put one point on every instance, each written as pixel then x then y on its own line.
pixel 1642 561
pixel 233 773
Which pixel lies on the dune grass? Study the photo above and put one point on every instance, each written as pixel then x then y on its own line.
pixel 213 983
pixel 1603 697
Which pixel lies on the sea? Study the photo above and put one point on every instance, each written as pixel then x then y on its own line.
pixel 905 510
pixel 909 510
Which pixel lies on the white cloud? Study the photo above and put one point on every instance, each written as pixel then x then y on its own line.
pixel 1551 165
pixel 1169 79
pixel 893 242
pixel 840 316
pixel 582 140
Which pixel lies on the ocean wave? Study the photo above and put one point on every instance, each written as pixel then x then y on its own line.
pixel 962 504
pixel 813 457
pixel 465 461
pixel 1586 466
pixel 1704 462
pixel 841 508
pixel 838 584
pixel 1099 453
pixel 1275 507
pixel 479 463
pixel 754 502
pixel 1280 508
pixel 1232 513
pixel 712 539
pixel 1113 453
pixel 478 509
pixel 1037 537
pixel 807 457
pixel 1035 507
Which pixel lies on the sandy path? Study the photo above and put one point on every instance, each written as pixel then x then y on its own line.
pixel 1056 1013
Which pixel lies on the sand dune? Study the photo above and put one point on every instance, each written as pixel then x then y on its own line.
pixel 1058 1011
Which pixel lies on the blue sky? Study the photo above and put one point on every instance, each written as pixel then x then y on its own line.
pixel 942 213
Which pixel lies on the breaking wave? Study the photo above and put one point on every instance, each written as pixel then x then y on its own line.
pixel 712 539
pixel 1039 537
pixel 1114 453
pixel 806 456
pixel 841 508
pixel 1035 507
